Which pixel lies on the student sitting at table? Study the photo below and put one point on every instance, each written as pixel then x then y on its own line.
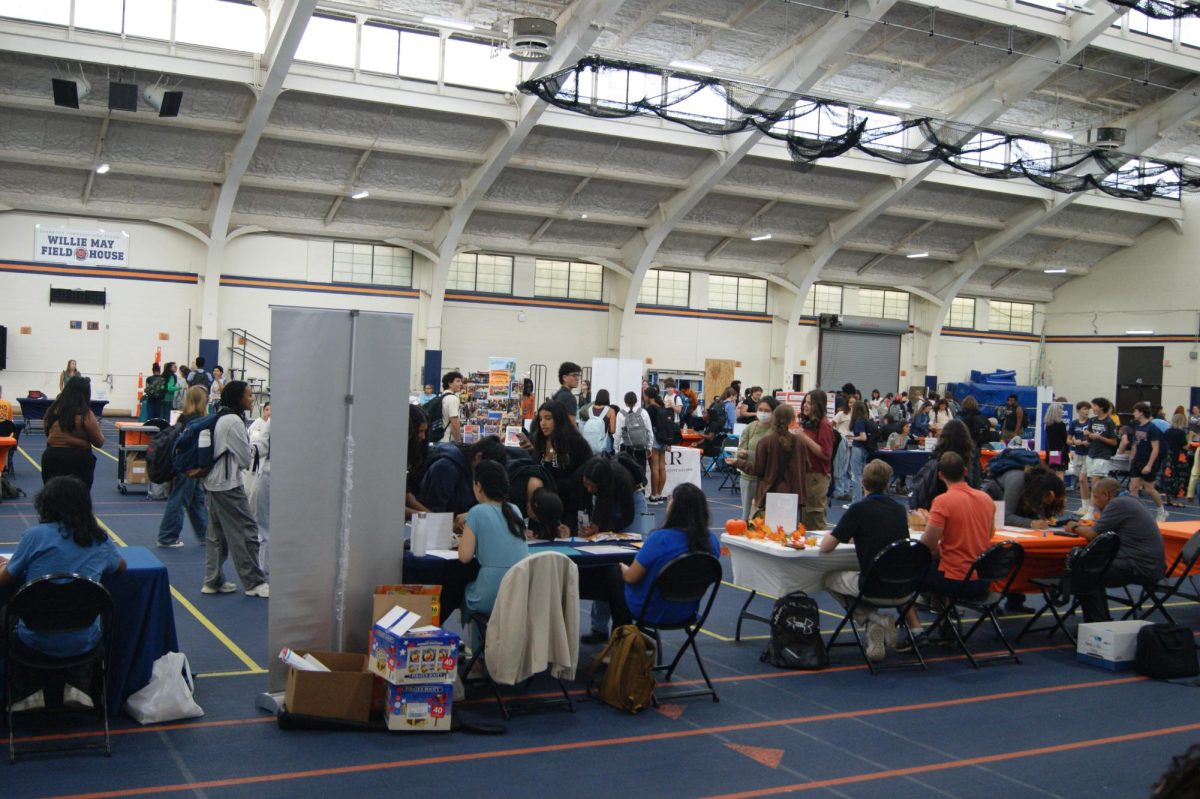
pixel 870 524
pixel 598 498
pixel 447 483
pixel 960 527
pixel 68 539
pixel 1140 558
pixel 919 425
pixel 495 536
pixel 685 530
pixel 1034 497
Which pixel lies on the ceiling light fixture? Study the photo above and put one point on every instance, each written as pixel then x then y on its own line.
pixel 903 106
pixel 360 195
pixel 1139 332
pixel 1191 159
pixel 443 22
pixel 583 216
pixel 1076 7
pixel 761 237
pixel 693 66
pixel 1055 271
pixel 1058 134
pixel 917 255
pixel 102 169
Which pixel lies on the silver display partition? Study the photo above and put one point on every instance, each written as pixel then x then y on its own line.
pixel 339 433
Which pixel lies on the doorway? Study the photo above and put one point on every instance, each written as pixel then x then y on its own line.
pixel 1139 377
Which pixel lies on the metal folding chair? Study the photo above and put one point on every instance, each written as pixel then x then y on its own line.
pixel 999 562
pixel 1085 571
pixel 686 578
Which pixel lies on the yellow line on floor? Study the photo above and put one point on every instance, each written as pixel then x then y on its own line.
pixel 29 458
pixel 102 452
pixel 243 673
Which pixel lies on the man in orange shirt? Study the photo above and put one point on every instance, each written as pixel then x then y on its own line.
pixel 961 522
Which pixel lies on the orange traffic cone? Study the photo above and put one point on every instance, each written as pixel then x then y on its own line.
pixel 158 354
pixel 140 384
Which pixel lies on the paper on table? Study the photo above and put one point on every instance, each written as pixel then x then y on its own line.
pixel 605 549
pixel 444 554
pixel 781 511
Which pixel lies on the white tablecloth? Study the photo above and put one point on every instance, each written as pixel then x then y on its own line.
pixel 772 569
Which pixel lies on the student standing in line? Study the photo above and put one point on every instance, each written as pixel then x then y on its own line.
pixel 232 529
pixel 859 430
pixel 452 383
pixel 1056 439
pixel 841 462
pixel 71 432
pixel 1146 460
pixel 1101 434
pixel 816 434
pixel 634 440
pixel 568 380
pixel 653 404
pixel 747 444
pixel 187 493
pixel 156 389
pixel 1077 433
pixel 1176 463
pixel 778 461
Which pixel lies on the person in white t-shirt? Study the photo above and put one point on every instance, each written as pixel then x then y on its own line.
pixel 841 460
pixel 452 383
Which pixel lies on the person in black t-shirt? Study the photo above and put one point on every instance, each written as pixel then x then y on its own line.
pixel 870 524
pixel 568 379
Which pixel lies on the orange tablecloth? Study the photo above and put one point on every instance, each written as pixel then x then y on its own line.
pixel 690 438
pixel 6 443
pixel 1044 557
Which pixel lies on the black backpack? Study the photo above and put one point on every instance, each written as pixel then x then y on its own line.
pixel 436 418
pixel 666 432
pixel 160 454
pixel 796 634
pixel 1166 652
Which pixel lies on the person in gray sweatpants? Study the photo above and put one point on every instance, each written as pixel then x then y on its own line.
pixel 232 529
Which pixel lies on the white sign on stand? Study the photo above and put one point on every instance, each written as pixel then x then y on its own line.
pixel 683 466
pixel 781 511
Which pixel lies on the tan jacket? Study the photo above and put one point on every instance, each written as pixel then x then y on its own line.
pixel 535 621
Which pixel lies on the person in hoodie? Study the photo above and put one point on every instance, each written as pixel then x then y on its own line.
pixel 447 486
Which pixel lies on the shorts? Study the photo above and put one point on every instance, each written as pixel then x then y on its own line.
pixel 1097 467
pixel 1135 471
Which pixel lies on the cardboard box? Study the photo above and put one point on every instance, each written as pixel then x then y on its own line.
pixel 343 692
pixel 419 708
pixel 424 600
pixel 420 655
pixel 135 469
pixel 1110 645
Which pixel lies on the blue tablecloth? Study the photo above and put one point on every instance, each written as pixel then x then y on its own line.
pixel 904 462
pixel 34 410
pixel 143 623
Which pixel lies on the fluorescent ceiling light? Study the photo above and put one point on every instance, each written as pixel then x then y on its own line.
pixel 443 22
pixel 1058 134
pixel 583 216
pixel 102 169
pixel 903 106
pixel 694 66
pixel 761 237
pixel 360 195
pixel 1139 332
pixel 1076 7
pixel 1055 271
pixel 1191 159
pixel 917 255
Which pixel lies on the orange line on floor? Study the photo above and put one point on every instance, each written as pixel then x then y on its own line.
pixel 954 764
pixel 195 725
pixel 603 742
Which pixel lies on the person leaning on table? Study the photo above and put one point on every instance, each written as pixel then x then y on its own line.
pixel 1140 557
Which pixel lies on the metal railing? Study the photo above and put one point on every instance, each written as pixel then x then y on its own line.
pixel 248 350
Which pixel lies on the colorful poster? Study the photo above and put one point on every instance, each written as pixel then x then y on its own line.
pixel 500 375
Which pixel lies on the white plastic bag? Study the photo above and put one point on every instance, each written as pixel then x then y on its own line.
pixel 168 695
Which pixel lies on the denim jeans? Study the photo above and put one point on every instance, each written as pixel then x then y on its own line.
pixel 187 496
pixel 841 470
pixel 858 459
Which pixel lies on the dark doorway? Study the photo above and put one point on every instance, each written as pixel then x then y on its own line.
pixel 1139 377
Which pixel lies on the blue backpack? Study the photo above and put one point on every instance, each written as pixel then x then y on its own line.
pixel 194 447
pixel 1011 459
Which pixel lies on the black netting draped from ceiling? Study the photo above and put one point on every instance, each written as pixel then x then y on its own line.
pixel 1161 9
pixel 814 129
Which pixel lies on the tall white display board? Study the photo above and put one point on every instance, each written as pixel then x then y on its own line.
pixel 618 375
pixel 339 433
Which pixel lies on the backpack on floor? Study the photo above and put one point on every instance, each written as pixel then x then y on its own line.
pixel 9 490
pixel 193 452
pixel 1166 652
pixel 634 432
pixel 436 418
pixel 796 634
pixel 160 454
pixel 628 660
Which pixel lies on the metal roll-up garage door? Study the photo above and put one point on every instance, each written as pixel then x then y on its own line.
pixel 866 354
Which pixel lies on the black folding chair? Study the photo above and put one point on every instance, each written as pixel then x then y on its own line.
pixel 1170 586
pixel 714 450
pixel 999 562
pixel 686 578
pixel 1085 570
pixel 56 604
pixel 892 579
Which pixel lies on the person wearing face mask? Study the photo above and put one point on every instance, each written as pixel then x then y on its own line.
pixel 755 431
pixel 816 434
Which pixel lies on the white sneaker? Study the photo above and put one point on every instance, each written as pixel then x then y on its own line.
pixel 876 636
pixel 226 588
pixel 35 701
pixel 1082 510
pixel 1161 514
pixel 73 697
pixel 891 634
pixel 262 589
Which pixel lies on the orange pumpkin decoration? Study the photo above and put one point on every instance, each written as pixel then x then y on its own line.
pixel 735 527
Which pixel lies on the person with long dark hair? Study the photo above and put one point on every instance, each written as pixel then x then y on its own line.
pixel 926 485
pixel 495 536
pixel 71 432
pixel 602 492
pixel 816 436
pixel 685 530
pixel 232 529
pixel 655 409
pixel 66 539
pixel 68 374
pixel 418 449
pixel 555 442
pixel 187 493
pixel 778 461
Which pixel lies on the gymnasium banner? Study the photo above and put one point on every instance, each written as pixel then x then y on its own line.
pixel 78 247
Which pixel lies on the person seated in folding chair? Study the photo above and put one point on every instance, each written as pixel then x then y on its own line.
pixel 870 524
pixel 67 540
pixel 495 535
pixel 960 527
pixel 1140 559
pixel 685 530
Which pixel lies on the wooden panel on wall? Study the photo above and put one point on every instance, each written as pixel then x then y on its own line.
pixel 718 374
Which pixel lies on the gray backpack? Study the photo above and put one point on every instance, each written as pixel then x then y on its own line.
pixel 634 430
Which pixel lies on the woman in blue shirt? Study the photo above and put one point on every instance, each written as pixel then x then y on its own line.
pixel 495 535
pixel 859 430
pixel 68 539
pixel 685 530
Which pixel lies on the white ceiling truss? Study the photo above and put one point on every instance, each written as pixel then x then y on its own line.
pixel 274 144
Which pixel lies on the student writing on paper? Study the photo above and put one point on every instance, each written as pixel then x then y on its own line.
pixel 495 536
